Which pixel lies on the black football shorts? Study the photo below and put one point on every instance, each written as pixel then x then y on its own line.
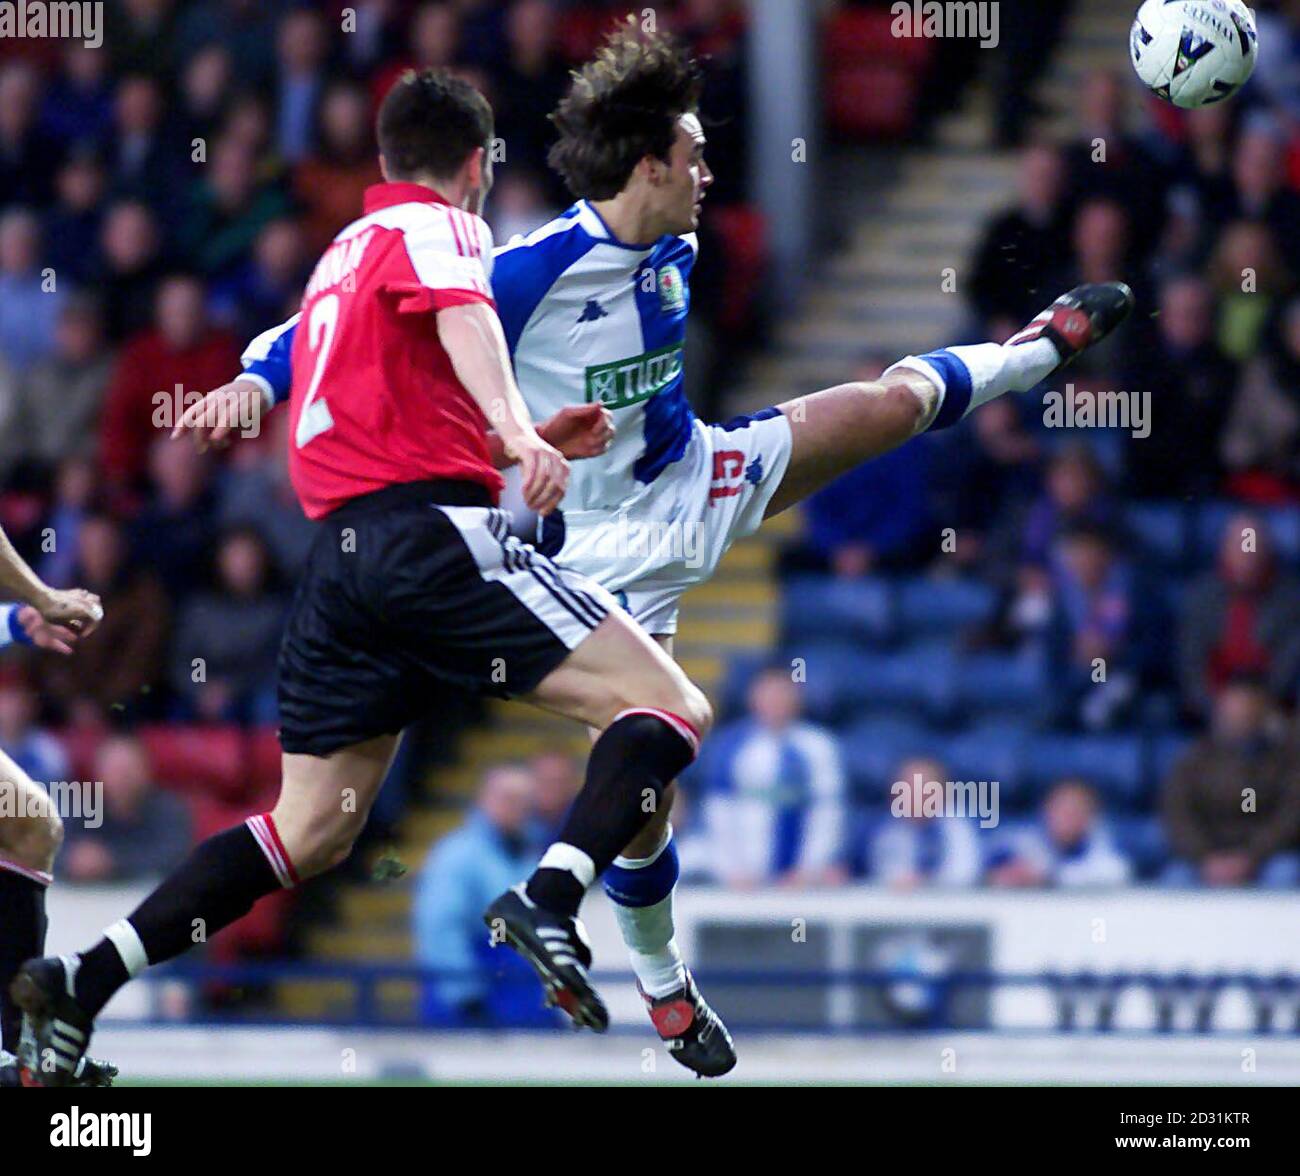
pixel 410 590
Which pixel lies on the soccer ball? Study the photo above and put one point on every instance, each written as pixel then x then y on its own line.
pixel 1194 52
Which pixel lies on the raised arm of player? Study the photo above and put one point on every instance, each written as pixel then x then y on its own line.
pixel 80 611
pixel 472 337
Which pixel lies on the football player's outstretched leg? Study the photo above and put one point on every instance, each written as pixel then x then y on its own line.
pixel 836 429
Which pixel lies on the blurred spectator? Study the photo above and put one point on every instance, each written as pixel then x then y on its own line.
pixel 204 90
pixel 1261 445
pixel 146 161
pixel 990 467
pixel 121 660
pixel 78 106
pixel 183 352
pixel 269 288
pixel 1258 189
pixel 73 225
pixel 465 871
pixel 175 531
pixel 1243 617
pixel 1022 248
pixel 920 844
pixel 36 751
pixel 772 793
pixel 129 267
pixel 228 209
pixel 74 489
pixel 527 87
pixel 1075 491
pixel 228 638
pixel 1248 280
pixel 433 43
pixel 62 394
pixel 301 48
pixel 28 156
pixel 876 517
pixel 1232 803
pixel 331 183
pixel 30 294
pixel 144 831
pixel 518 206
pixel 1191 385
pixel 256 492
pixel 1069 847
pixel 1104 632
pixel 557 779
pixel 1105 162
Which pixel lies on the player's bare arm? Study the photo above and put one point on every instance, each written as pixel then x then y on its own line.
pixel 71 608
pixel 472 337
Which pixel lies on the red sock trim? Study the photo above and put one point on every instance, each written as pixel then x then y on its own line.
pixel 683 728
pixel 263 829
pixel 39 876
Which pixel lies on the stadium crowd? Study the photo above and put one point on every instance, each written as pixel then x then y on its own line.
pixel 1103 621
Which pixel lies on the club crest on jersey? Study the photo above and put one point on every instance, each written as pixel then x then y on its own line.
pixel 672 291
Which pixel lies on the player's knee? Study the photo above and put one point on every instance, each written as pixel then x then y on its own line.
pixel 908 397
pixel 33 839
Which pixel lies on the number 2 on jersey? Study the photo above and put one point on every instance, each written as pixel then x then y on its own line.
pixel 315 419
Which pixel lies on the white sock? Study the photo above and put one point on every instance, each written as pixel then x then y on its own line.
pixel 996 368
pixel 649 934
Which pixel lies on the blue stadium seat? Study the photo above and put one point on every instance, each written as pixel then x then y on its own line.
pixel 927 607
pixel 1163 752
pixel 873 749
pixel 830 677
pixel 918 679
pixel 998 683
pixel 1284 527
pixel 1211 520
pixel 1113 764
pixel 1161 531
pixel 993 751
pixel 1142 840
pixel 821 608
pixel 740 671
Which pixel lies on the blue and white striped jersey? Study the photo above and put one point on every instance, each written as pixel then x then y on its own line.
pixel 586 317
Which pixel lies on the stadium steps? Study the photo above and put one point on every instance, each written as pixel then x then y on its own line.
pixel 882 288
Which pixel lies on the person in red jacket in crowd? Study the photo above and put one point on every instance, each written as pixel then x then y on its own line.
pixel 181 350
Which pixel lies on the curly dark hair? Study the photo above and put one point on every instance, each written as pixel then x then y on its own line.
pixel 622 106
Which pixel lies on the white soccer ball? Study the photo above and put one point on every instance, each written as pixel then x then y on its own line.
pixel 1194 52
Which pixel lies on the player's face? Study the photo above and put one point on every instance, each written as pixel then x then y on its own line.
pixel 687 178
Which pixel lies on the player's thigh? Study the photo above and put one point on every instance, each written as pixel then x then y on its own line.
pixel 324 801
pixel 30 828
pixel 617 667
pixel 839 428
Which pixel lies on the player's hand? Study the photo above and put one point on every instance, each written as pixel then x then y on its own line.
pixel 545 471
pixel 42 634
pixel 580 430
pixel 215 419
pixel 72 609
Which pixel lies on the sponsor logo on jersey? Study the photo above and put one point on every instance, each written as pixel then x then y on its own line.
pixel 672 290
pixel 592 311
pixel 629 381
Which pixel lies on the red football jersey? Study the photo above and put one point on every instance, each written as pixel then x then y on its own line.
pixel 375 399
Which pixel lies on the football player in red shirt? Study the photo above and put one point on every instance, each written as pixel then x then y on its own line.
pixel 413 583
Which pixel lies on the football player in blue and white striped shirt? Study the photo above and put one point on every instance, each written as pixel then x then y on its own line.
pixel 594 306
